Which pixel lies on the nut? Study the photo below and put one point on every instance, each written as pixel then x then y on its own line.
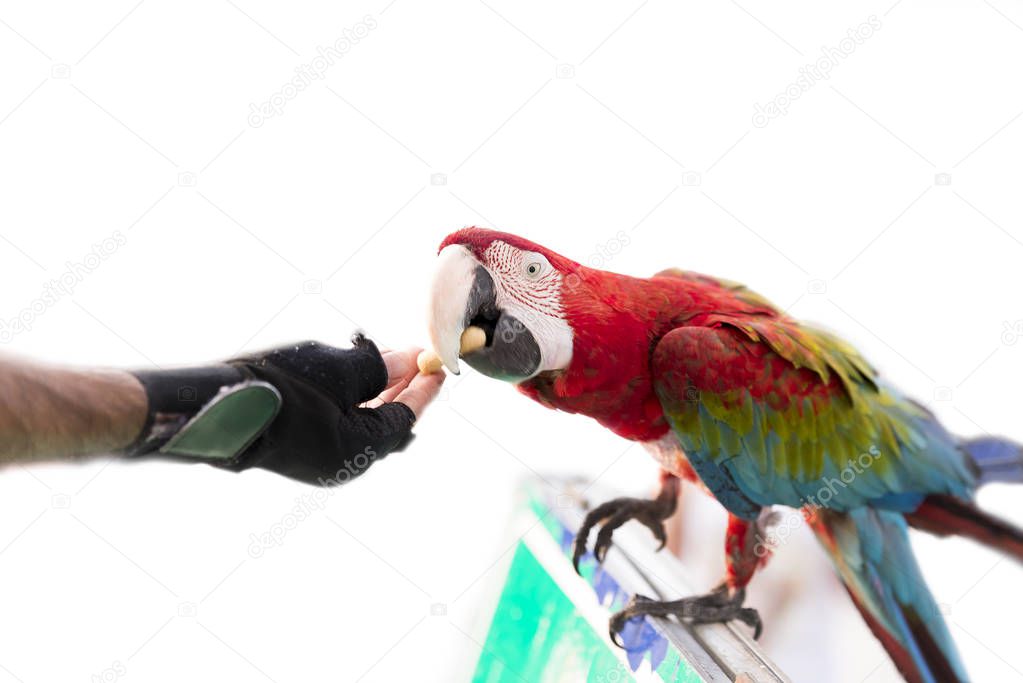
pixel 473 338
pixel 429 362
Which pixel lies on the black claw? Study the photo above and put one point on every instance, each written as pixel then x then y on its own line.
pixel 614 627
pixel 593 517
pixel 618 620
pixel 617 512
pixel 603 543
pixel 751 618
pixel 718 606
pixel 650 518
pixel 658 531
pixel 578 550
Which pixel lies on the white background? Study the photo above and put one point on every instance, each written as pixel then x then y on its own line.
pixel 566 124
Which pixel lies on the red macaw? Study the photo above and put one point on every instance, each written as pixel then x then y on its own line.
pixel 725 389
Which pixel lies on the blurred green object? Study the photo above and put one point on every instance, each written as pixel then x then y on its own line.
pixel 550 624
pixel 228 424
pixel 538 635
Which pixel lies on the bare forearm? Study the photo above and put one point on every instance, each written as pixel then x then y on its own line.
pixel 55 413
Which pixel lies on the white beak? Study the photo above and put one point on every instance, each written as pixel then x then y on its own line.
pixel 449 307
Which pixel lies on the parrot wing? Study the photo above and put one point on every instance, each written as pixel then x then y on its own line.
pixel 871 552
pixel 773 412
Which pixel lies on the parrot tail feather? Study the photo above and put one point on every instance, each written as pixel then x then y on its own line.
pixel 947 515
pixel 873 556
pixel 998 459
pixel 939 669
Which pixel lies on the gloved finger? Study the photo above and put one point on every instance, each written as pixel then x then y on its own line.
pixel 420 392
pixel 379 430
pixel 362 365
pixel 349 376
pixel 401 366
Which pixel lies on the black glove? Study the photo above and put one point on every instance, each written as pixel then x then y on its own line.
pixel 320 434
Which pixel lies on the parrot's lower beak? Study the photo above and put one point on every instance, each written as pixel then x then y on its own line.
pixel 464 293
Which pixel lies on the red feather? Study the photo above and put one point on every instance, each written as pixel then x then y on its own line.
pixel 617 320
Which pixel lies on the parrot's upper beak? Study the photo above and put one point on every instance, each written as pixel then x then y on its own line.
pixel 464 293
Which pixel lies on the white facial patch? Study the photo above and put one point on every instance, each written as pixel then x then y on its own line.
pixel 528 288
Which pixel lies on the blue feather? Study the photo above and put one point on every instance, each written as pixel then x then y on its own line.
pixel 998 459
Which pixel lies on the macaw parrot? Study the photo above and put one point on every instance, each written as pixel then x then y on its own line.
pixel 726 390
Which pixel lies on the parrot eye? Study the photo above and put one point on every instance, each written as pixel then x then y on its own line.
pixel 534 268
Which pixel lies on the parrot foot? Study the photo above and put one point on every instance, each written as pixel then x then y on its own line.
pixel 719 606
pixel 614 513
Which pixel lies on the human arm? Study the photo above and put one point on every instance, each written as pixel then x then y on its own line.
pixel 57 413
pixel 312 426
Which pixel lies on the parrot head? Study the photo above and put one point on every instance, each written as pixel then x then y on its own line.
pixel 511 288
pixel 572 337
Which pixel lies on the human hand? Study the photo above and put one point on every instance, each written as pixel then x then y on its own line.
pixel 405 384
pixel 341 411
pixel 308 411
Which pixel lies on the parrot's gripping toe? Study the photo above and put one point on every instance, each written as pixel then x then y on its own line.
pixel 613 514
pixel 719 606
